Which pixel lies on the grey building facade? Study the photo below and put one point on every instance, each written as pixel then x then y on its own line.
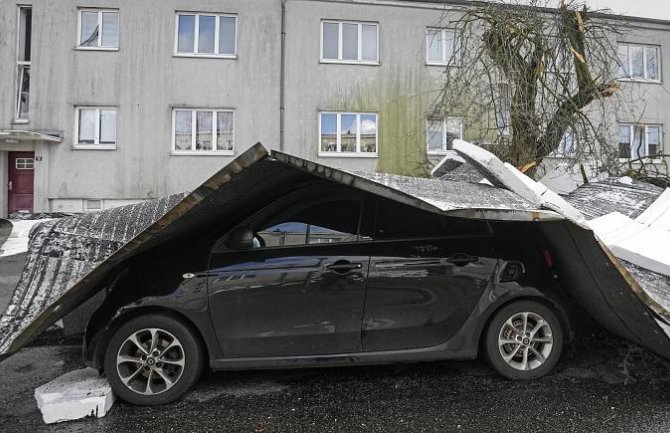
pixel 107 103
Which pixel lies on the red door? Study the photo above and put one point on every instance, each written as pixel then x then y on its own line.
pixel 21 179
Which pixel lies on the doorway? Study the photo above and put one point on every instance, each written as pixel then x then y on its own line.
pixel 20 187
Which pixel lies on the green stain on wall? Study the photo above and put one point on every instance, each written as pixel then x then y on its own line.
pixel 401 123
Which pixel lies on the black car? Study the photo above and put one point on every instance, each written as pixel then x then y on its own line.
pixel 329 275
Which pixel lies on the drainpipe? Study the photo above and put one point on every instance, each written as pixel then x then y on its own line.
pixel 282 75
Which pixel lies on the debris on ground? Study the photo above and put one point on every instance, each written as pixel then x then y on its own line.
pixel 17 240
pixel 75 395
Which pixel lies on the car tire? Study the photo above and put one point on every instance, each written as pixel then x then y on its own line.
pixel 521 355
pixel 153 359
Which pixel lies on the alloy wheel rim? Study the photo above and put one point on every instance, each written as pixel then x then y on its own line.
pixel 150 361
pixel 525 341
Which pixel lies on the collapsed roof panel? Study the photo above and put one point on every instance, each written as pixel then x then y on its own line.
pixel 69 259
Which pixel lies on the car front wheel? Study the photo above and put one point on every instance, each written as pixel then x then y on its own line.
pixel 524 340
pixel 153 359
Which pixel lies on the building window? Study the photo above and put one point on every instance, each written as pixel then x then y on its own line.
pixel 441 47
pixel 206 35
pixel 567 147
pixel 638 141
pixel 98 29
pixel 25 163
pixel 23 63
pixel 348 134
pixel 95 127
pixel 203 131
pixel 349 42
pixel 440 133
pixel 503 110
pixel 639 62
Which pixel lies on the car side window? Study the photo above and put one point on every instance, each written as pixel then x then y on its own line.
pixel 316 223
pixel 399 221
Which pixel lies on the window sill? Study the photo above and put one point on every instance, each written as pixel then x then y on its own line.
pixel 206 56
pixel 639 80
pixel 20 121
pixel 93 147
pixel 347 155
pixel 444 65
pixel 202 153
pixel 437 152
pixel 97 48
pixel 641 160
pixel 349 62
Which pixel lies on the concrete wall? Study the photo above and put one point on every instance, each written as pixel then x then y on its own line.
pixel 144 81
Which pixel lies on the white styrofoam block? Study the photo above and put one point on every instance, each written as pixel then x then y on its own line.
pixel 74 395
pixel 657 215
pixel 17 242
pixel 517 182
pixel 634 242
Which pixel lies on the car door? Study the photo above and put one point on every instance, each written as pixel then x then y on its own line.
pixel 427 273
pixel 301 290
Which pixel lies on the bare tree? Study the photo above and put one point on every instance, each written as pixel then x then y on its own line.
pixel 528 76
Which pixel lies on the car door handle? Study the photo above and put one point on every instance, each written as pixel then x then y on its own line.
pixel 343 266
pixel 461 259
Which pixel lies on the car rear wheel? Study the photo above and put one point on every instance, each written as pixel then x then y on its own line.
pixel 153 359
pixel 524 340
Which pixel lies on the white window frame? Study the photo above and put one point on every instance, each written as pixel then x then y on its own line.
pixel 631 136
pixel 339 59
pixel 456 54
pixel 94 146
pixel 24 164
pixel 194 112
pixel 196 35
pixel 444 121
pixel 21 66
pixel 629 66
pixel 98 47
pixel 357 153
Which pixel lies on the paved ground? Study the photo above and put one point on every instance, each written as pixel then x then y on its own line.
pixel 601 385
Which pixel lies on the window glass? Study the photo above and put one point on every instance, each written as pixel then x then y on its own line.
pixel 25 33
pixel 110 29
pixel 330 40
pixel 637 146
pixel 183 130
pixel 348 128
pixel 369 42
pixel 399 221
pixel 203 132
pixel 186 36
pixel 86 126
pixel 328 132
pixel 653 140
pixel 206 34
pixel 637 58
pixel 434 46
pixel 326 222
pixel 227 35
pixel 23 96
pixel 567 143
pixel 454 127
pixel 652 63
pixel 107 126
pixel 89 29
pixel 224 130
pixel 624 141
pixel 349 41
pixel 449 46
pixel 622 54
pixel 368 133
pixel 434 135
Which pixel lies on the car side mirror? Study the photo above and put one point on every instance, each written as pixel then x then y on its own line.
pixel 241 238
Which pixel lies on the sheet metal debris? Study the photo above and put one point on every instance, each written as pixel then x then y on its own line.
pixel 69 259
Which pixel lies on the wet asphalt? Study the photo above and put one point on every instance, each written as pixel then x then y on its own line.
pixel 601 385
